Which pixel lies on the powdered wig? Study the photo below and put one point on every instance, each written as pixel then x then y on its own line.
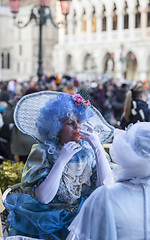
pixel 50 120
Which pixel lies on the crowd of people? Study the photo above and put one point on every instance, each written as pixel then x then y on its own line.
pixel 71 190
pixel 109 97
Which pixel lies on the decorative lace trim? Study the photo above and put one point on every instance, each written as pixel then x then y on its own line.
pixel 71 186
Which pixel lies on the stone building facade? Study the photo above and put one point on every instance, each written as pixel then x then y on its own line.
pixel 105 38
pixel 19 47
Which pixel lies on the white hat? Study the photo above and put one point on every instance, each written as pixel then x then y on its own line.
pixel 131 151
pixel 28 109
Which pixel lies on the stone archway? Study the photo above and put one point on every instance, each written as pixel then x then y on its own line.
pixel 131 73
pixel 89 62
pixel 109 64
pixel 69 63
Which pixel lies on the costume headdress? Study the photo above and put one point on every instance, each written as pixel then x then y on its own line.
pixel 28 109
pixel 131 151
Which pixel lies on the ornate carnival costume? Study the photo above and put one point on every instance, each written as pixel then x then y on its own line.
pixel 120 211
pixel 50 221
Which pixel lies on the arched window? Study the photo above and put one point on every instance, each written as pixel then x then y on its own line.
pixel 8 60
pixel 69 62
pixel 104 19
pixel 137 16
pixel 148 15
pixel 109 63
pixel 5 60
pixel 84 22
pixel 2 60
pixel 131 67
pixel 93 20
pixel 74 23
pixel 87 62
pixel 115 18
pixel 126 17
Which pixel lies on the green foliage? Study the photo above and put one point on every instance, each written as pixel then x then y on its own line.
pixel 10 174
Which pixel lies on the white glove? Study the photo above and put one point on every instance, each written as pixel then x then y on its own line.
pixel 67 152
pixel 47 190
pixel 103 168
pixel 91 136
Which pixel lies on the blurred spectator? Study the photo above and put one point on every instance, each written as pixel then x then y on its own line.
pixel 118 101
pixel 4 95
pixel 11 88
pixel 20 143
pixel 70 88
pixel 136 107
pixel 99 97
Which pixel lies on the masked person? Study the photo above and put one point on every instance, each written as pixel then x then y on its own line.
pixel 62 170
pixel 121 210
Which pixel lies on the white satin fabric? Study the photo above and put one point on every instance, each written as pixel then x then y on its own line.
pixel 117 212
pixel 20 238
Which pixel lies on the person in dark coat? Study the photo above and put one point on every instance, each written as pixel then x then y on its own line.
pixel 136 108
pixel 20 143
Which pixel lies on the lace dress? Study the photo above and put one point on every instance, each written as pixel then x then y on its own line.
pixel 29 217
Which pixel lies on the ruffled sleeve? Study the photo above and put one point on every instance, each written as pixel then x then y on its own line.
pixel 36 169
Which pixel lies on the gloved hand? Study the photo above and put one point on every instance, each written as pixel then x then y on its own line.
pixel 103 168
pixel 67 152
pixel 91 136
pixel 47 190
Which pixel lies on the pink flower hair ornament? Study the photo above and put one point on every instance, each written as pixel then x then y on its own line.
pixel 79 100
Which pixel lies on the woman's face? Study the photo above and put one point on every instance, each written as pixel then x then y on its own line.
pixel 70 131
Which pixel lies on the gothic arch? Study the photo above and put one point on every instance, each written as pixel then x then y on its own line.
pixel 137 15
pixel 126 16
pixel 114 18
pixel 68 63
pixel 74 22
pixel 93 19
pixel 131 67
pixel 104 19
pixel 89 62
pixel 109 63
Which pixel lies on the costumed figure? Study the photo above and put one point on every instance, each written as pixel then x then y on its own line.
pixel 62 170
pixel 120 211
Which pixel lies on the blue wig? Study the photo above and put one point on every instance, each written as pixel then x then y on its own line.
pixel 50 120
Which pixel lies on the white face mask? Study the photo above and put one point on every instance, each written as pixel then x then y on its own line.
pixel 77 167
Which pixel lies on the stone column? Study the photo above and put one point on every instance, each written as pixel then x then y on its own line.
pixel 89 23
pixel 70 25
pixel 79 23
pixel 120 15
pixel 99 19
pixel 131 12
pixel 143 9
pixel 143 17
